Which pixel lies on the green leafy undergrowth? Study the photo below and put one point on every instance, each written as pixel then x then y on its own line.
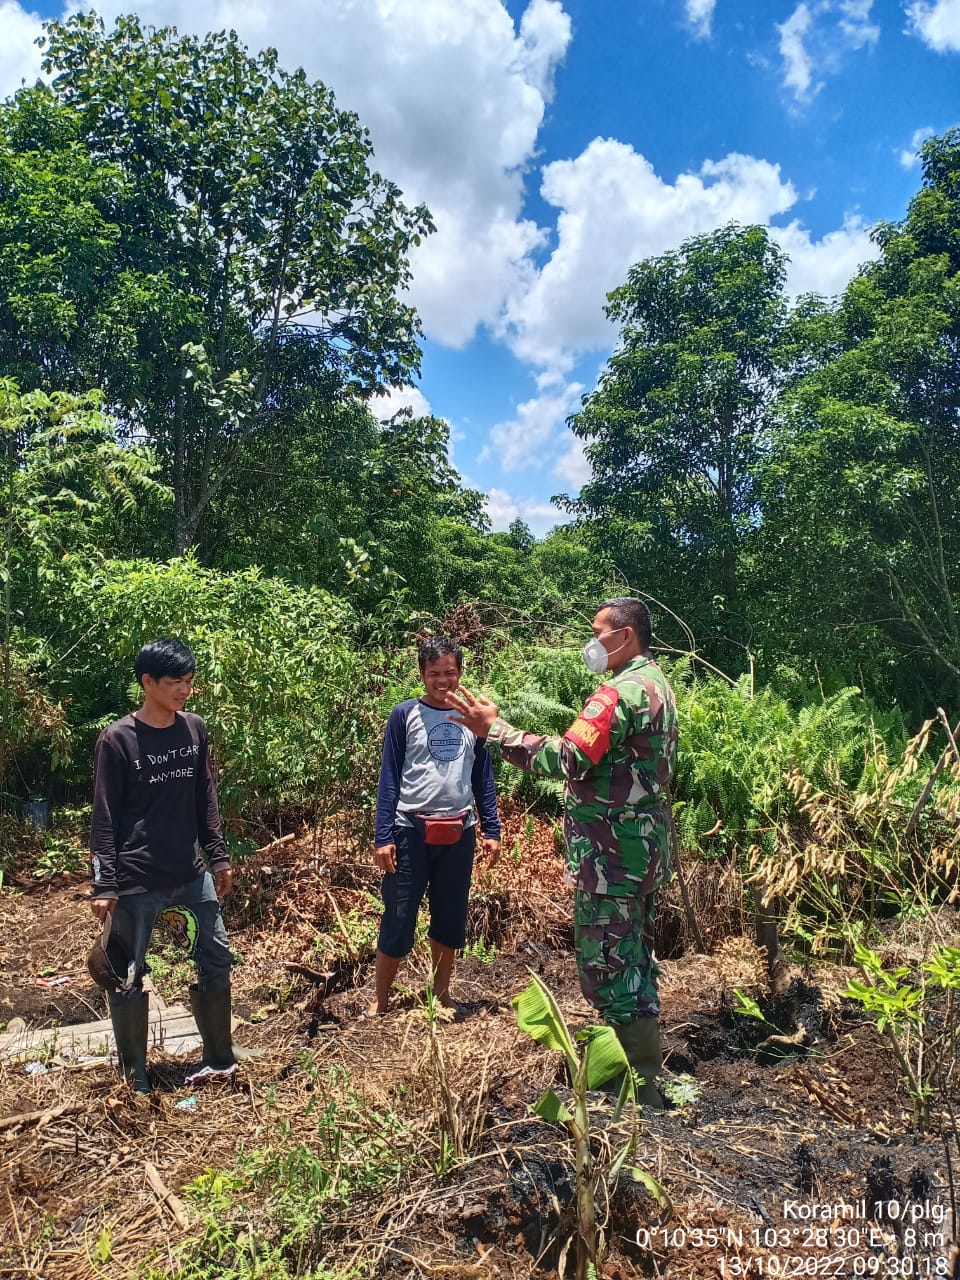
pixel 264 1216
pixel 738 749
pixel 919 1014
pixel 278 679
pixel 540 689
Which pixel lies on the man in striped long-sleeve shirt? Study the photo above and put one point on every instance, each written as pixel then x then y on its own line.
pixel 432 775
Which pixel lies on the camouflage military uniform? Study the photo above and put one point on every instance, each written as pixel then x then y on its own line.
pixel 616 760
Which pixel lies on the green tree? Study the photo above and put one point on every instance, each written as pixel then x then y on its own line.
pixel 68 489
pixel 681 416
pixel 290 507
pixel 67 485
pixel 60 216
pixel 421 508
pixel 566 565
pixel 260 258
pixel 861 535
pixel 520 536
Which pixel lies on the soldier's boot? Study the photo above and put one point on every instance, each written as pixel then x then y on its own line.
pixel 130 1020
pixel 211 1012
pixel 640 1040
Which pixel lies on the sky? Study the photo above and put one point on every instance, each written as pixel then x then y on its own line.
pixel 558 142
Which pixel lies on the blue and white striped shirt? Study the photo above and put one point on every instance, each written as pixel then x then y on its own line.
pixel 432 765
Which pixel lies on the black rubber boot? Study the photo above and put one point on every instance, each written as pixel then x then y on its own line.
pixel 130 1033
pixel 211 1012
pixel 641 1043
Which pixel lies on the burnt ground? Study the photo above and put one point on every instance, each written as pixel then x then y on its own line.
pixel 788 1150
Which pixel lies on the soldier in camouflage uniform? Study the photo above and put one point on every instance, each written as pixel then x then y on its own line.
pixel 616 761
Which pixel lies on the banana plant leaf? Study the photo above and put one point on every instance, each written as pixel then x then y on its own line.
pixel 656 1189
pixel 551 1108
pixel 606 1059
pixel 539 1016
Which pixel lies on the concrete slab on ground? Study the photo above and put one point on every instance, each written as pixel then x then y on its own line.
pixel 170 1028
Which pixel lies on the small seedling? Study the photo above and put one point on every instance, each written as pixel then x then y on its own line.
pixel 593 1058
pixel 103 1247
pixel 747 1006
pixel 480 950
pixel 681 1090
pixel 924 1046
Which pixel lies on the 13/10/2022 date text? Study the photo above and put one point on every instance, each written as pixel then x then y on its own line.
pixel 875 1265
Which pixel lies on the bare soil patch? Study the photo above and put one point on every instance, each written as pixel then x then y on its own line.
pixel 793 1157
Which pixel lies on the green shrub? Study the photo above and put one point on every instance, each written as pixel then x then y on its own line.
pixel 737 750
pixel 279 678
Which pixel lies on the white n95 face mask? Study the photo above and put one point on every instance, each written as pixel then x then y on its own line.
pixel 596 656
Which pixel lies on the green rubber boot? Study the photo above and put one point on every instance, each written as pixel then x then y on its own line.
pixel 129 1020
pixel 211 1012
pixel 640 1040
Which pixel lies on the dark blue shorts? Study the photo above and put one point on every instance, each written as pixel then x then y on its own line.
pixel 442 872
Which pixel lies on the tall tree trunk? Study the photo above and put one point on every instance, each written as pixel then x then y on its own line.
pixel 181 533
pixel 184 535
pixel 5 675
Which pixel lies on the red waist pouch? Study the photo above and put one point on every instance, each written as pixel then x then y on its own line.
pixel 442 830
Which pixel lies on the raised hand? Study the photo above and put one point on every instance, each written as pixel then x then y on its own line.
pixel 473 711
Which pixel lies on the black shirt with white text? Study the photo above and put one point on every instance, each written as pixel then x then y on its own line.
pixel 154 803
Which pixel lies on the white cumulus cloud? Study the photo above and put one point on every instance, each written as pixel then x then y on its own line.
pixel 19 56
pixel 535 435
pixel 545 33
pixel 538 437
pixel 827 265
pixel 700 16
pixel 937 23
pixel 503 509
pixel 614 210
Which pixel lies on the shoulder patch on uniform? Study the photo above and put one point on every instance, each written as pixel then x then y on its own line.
pixel 590 732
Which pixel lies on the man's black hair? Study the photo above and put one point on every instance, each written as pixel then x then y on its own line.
pixel 626 611
pixel 165 658
pixel 435 647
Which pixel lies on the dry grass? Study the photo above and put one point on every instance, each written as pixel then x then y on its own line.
pixel 361 1099
pixel 75 1198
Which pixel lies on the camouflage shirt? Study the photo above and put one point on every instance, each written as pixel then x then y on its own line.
pixel 616 760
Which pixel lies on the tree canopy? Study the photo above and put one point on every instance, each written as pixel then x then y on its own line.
pixel 202 282
pixel 682 414
pixel 861 529
pixel 257 262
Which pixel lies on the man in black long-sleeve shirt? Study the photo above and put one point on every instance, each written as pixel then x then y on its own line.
pixel 154 809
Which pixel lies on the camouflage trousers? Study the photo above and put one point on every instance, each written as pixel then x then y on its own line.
pixel 614 943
